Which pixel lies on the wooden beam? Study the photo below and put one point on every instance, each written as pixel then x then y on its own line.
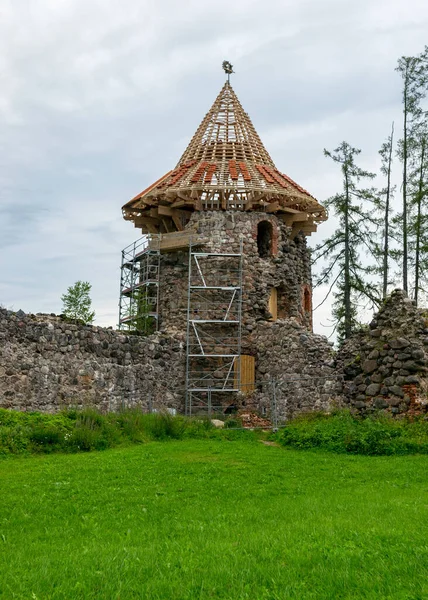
pixel 165 211
pixel 179 217
pixel 287 219
pixel 144 202
pixel 296 217
pixel 148 223
pixel 147 227
pixel 178 203
pixel 272 207
pixel 288 209
pixel 177 221
pixel 306 228
pixel 145 218
pixel 168 224
pixel 169 211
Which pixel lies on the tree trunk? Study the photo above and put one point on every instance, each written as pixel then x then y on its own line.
pixel 387 202
pixel 418 220
pixel 405 255
pixel 347 275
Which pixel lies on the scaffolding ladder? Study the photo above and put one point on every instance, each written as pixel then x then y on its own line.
pixel 214 311
pixel 139 285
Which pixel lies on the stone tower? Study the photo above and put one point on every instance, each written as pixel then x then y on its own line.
pixel 225 257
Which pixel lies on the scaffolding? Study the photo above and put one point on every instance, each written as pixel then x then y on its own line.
pixel 214 308
pixel 139 285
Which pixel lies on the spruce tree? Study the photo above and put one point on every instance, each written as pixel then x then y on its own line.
pixel 414 73
pixel 353 207
pixel 418 221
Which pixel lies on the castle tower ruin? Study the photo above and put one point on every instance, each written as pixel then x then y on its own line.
pixel 223 257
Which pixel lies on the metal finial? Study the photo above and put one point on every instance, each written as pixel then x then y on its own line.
pixel 228 69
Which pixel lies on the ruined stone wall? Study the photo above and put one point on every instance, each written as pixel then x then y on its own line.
pixel 385 364
pixel 47 364
pixel 299 364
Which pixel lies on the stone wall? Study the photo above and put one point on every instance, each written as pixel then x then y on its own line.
pixel 47 363
pixel 299 364
pixel 385 364
pixel 287 268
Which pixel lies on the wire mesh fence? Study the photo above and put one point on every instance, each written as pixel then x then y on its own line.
pixel 269 405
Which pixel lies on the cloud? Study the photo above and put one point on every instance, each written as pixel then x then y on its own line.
pixel 99 98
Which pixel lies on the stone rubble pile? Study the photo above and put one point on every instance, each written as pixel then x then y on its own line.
pixel 385 364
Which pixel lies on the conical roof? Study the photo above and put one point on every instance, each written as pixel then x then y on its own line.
pixel 225 167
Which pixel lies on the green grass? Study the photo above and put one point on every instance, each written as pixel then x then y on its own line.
pixel 213 519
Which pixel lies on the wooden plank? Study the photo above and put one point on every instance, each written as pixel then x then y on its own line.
pixel 174 241
pixel 273 304
pixel 245 368
pixel 306 228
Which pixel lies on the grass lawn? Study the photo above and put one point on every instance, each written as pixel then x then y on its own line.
pixel 213 519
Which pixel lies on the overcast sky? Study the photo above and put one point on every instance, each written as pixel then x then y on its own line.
pixel 100 98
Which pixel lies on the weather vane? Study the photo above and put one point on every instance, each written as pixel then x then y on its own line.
pixel 228 68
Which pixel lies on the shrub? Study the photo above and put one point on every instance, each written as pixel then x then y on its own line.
pixel 93 431
pixel 46 435
pixel 13 439
pixel 84 430
pixel 346 433
pixel 164 425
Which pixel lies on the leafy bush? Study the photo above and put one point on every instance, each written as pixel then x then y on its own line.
pixel 85 430
pixel 46 435
pixel 13 439
pixel 343 432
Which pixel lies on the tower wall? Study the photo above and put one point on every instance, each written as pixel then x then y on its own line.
pixel 286 269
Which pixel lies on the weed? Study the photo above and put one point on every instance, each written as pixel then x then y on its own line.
pixel 346 433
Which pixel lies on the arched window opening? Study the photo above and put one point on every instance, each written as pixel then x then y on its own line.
pixel 264 239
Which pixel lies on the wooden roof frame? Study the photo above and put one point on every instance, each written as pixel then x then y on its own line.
pixel 224 167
